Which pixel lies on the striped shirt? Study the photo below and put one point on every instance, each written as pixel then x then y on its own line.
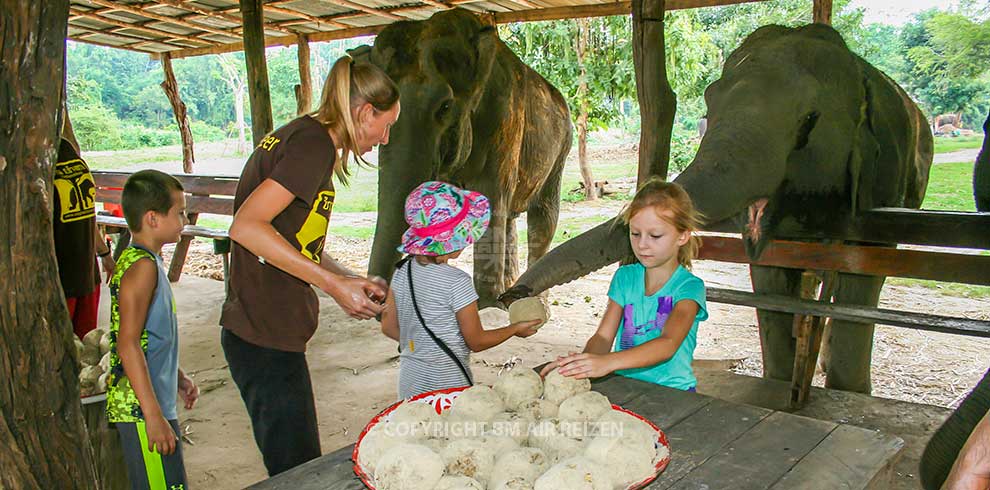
pixel 441 291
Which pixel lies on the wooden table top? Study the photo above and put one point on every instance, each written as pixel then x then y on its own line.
pixel 714 445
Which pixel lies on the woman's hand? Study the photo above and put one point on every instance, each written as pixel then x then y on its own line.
pixel 161 437
pixel 585 365
pixel 188 390
pixel 357 296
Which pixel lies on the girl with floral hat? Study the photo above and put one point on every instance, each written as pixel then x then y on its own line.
pixel 432 306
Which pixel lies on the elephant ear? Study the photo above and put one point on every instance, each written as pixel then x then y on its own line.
pixel 464 57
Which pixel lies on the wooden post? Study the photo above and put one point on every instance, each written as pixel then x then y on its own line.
pixel 581 45
pixel 657 103
pixel 823 12
pixel 171 88
pixel 808 334
pixel 43 440
pixel 257 69
pixel 304 90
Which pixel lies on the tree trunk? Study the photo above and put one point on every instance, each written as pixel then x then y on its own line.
pixel 657 103
pixel 304 91
pixel 590 193
pixel 171 88
pixel 981 171
pixel 43 440
pixel 257 69
pixel 239 115
pixel 823 12
pixel 236 83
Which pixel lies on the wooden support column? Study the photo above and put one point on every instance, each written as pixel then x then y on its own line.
pixel 171 88
pixel 823 12
pixel 304 90
pixel 44 441
pixel 808 332
pixel 657 103
pixel 257 69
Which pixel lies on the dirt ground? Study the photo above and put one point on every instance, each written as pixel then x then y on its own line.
pixel 354 367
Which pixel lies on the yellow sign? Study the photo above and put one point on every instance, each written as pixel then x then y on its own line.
pixel 76 191
pixel 313 233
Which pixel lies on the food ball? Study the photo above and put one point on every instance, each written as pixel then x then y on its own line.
pixel 93 337
pixel 584 407
pixel 89 379
pixel 414 418
pixel 627 460
pixel 525 463
pixel 409 467
pixel 538 409
pixel 518 386
pixel 527 309
pixel 515 484
pixel 552 436
pixel 459 483
pixel 105 343
pixel 376 443
pixel 478 403
pixel 557 387
pixel 616 423
pixel 574 474
pixel 472 458
pixel 512 424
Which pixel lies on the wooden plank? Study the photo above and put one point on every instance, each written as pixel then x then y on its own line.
pixel 617 389
pixel 850 458
pixel 663 406
pixel 873 261
pixel 209 205
pixel 188 230
pixel 602 10
pixel 331 471
pixel 703 434
pixel 223 185
pixel 162 18
pixel 808 331
pixel 862 314
pixel 257 69
pixel 760 456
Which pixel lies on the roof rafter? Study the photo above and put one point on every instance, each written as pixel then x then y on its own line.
pixel 139 27
pixel 163 18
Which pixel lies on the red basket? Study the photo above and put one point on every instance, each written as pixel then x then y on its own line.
pixel 443 399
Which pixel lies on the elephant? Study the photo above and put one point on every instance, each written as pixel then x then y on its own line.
pixel 474 115
pixel 944 446
pixel 800 131
pixel 981 171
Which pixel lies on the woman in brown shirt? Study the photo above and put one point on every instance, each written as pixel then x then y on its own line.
pixel 282 208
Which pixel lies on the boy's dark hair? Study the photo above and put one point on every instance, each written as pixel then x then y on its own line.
pixel 147 190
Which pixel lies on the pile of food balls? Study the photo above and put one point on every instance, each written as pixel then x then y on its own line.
pixel 524 433
pixel 93 356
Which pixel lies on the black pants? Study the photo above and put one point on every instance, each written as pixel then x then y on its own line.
pixel 277 391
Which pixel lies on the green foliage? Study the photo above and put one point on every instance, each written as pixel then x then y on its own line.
pixel 950 187
pixel 945 144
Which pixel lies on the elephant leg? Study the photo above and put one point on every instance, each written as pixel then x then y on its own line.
pixel 943 448
pixel 489 256
pixel 543 213
pixel 850 344
pixel 511 255
pixel 776 329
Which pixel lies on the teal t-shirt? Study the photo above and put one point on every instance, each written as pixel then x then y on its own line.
pixel 643 318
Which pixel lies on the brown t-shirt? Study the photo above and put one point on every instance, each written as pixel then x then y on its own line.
pixel 266 306
pixel 73 223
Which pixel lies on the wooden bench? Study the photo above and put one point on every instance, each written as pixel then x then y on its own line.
pixel 210 194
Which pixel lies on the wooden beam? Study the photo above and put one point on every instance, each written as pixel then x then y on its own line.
pixel 304 91
pixel 171 88
pixel 114 34
pixel 602 10
pixel 142 27
pixel 372 11
pixel 872 261
pixel 163 18
pixel 823 12
pixel 218 14
pixel 283 41
pixel 657 102
pixel 860 314
pixel 257 69
pixel 308 17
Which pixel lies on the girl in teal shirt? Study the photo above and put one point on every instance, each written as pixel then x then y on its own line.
pixel 650 327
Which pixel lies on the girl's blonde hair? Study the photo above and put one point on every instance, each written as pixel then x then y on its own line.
pixel 347 87
pixel 671 197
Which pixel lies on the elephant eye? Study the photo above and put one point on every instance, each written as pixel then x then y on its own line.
pixel 443 109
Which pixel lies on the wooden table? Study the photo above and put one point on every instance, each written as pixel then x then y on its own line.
pixel 715 445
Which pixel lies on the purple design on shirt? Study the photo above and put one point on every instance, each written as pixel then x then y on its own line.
pixel 665 304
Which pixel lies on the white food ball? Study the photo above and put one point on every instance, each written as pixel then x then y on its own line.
pixel 93 337
pixel 512 424
pixel 518 386
pixel 101 384
pixel 626 460
pixel 105 362
pixel 500 444
pixel 105 343
pixel 90 355
pixel 515 484
pixel 89 379
pixel 416 419
pixel 557 387
pixel 472 458
pixel 375 444
pixel 538 409
pixel 553 437
pixel 479 403
pixel 584 407
pixel 80 348
pixel 525 463
pixel 615 423
pixel 574 474
pixel 409 467
pixel 459 483
pixel 526 309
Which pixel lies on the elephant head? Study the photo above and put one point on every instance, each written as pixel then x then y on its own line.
pixel 799 129
pixel 441 67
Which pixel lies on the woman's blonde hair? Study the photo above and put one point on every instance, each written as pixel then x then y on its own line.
pixel 671 197
pixel 348 86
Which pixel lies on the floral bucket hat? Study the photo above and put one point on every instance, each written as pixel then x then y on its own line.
pixel 443 219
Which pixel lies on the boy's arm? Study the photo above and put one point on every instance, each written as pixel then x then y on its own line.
pixel 136 289
pixel 479 339
pixel 188 390
pixel 390 318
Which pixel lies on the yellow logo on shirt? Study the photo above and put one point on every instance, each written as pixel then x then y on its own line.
pixel 313 233
pixel 268 143
pixel 76 191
